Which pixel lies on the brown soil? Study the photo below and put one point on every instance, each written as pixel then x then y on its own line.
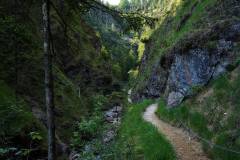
pixel 185 147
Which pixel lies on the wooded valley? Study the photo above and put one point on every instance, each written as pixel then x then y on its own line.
pixel 120 79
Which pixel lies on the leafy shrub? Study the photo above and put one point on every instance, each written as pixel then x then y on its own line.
pixel 98 102
pixel 14 116
pixel 4 152
pixel 196 89
pixel 86 130
pixel 89 129
pixel 117 70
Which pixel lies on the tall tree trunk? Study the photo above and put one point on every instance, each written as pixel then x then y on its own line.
pixel 49 94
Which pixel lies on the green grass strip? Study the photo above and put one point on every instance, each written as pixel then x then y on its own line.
pixel 141 140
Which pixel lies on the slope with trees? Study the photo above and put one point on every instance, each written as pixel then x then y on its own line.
pixel 82 72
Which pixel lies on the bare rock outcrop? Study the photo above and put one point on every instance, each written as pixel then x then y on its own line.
pixel 192 62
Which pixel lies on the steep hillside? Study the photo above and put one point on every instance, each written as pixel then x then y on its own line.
pixel 191 62
pixel 185 53
pixel 194 42
pixel 117 42
pixel 213 115
pixel 82 70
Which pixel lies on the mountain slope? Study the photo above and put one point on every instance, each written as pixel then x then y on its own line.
pixel 191 62
pixel 82 70
pixel 213 115
pixel 194 42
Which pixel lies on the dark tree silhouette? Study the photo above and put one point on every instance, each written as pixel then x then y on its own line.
pixel 49 94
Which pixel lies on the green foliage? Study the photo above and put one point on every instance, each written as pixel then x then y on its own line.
pixel 82 71
pixel 98 103
pixel 139 139
pixel 14 153
pixel 124 4
pixel 132 76
pixel 224 139
pixel 86 130
pixel 36 136
pixel 122 57
pixel 16 120
pixel 23 152
pixel 117 44
pixel 116 98
pixel 18 51
pixel 5 151
pixel 145 4
pixel 214 118
pixel 171 29
pixel 117 71
pixel 196 89
pixel 14 115
pixel 105 54
pixel 183 115
pixel 172 114
pixel 221 86
pixel 141 50
pixel 89 128
pixel 96 148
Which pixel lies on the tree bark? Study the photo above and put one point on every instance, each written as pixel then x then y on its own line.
pixel 49 94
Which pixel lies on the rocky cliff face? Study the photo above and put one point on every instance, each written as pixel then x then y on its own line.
pixel 192 63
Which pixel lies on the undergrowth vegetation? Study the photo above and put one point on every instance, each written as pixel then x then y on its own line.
pixel 82 68
pixel 90 138
pixel 141 140
pixel 89 127
pixel 213 115
pixel 18 124
pixel 94 62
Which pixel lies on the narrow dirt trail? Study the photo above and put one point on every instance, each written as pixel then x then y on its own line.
pixel 185 147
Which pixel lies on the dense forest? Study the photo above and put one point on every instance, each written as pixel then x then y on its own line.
pixel 141 80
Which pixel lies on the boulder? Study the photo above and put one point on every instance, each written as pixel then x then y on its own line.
pixel 175 98
pixel 113 114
